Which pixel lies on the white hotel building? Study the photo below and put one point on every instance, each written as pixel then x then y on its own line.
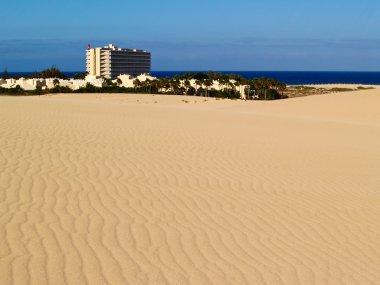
pixel 111 61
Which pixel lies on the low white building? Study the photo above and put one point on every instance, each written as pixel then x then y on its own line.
pixel 32 84
pixel 95 80
pixel 216 85
pixel 26 84
pixel 144 77
pixel 128 81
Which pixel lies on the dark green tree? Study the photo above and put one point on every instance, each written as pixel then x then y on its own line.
pixel 81 75
pixel 52 72
pixel 5 74
pixel 191 91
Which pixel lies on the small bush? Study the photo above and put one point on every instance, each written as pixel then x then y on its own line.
pixel 341 89
pixel 13 91
pixel 365 88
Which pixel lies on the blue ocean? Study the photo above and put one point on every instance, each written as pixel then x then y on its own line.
pixel 289 77
pixel 300 77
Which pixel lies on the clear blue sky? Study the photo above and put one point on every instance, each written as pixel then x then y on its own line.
pixel 196 34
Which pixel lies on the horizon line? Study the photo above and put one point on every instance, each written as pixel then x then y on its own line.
pixel 226 70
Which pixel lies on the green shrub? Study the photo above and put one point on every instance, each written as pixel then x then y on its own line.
pixel 13 91
pixel 269 94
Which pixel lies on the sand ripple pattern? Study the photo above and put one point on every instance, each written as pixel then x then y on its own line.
pixel 111 191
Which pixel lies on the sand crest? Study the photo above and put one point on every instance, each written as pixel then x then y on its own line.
pixel 141 189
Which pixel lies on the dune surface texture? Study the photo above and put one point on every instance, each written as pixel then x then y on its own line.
pixel 142 189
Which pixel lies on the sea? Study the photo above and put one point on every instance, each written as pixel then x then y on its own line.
pixel 288 77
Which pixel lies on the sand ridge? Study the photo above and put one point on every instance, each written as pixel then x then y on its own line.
pixel 142 189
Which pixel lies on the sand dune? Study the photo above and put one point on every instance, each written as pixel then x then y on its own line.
pixel 140 189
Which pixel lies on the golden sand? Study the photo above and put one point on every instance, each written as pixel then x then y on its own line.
pixel 141 189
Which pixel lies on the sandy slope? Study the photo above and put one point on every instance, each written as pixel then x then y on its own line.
pixel 108 190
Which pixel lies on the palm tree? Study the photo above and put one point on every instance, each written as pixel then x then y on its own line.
pixel 199 83
pixel 208 83
pixel 221 83
pixel 165 82
pixel 155 85
pixel 187 84
pixel 236 84
pixel 282 87
pixel 230 86
pixel 137 83
pixel 256 85
pixel 174 86
pixel 143 85
pixel 148 86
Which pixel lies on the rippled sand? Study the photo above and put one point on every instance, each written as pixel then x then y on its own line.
pixel 140 189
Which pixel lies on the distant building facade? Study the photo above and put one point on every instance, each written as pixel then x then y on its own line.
pixel 111 61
